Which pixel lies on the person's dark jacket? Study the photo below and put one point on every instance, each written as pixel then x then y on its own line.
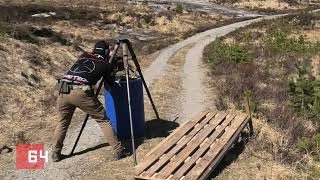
pixel 89 69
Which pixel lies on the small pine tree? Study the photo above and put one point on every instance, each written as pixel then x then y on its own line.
pixel 305 94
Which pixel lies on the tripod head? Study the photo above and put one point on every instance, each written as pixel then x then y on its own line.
pixel 122 62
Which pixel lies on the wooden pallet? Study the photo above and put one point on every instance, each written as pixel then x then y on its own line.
pixel 194 149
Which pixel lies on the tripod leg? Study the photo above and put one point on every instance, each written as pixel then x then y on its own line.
pixel 135 60
pixel 126 66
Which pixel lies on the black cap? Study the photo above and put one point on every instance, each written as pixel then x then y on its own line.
pixel 100 48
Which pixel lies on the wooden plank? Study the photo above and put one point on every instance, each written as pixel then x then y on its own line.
pixel 141 178
pixel 214 164
pixel 210 156
pixel 186 166
pixel 166 158
pixel 165 140
pixel 145 178
pixel 173 133
pixel 168 143
pixel 199 138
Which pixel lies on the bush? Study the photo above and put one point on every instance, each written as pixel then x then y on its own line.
pixel 119 19
pixel 147 18
pixel 232 52
pixel 251 100
pixel 305 94
pixel 310 145
pixel 279 42
pixel 238 80
pixel 3 31
pixel 179 8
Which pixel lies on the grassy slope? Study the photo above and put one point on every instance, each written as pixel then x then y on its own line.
pixel 265 71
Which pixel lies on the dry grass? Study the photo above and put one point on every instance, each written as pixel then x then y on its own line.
pixel 273 153
pixel 71 3
pixel 312 34
pixel 260 159
pixel 266 4
pixel 315 63
pixel 27 88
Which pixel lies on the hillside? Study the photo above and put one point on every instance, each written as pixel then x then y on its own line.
pixel 276 64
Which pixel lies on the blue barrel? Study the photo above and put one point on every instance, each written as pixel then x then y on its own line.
pixel 117 108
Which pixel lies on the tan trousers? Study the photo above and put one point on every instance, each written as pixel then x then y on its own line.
pixel 67 103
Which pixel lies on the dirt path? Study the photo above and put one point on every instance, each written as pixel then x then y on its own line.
pixel 193 93
pixel 193 88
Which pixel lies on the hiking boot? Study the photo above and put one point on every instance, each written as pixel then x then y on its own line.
pixel 56 156
pixel 120 154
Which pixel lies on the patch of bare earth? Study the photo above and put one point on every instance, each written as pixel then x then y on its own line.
pixel 166 90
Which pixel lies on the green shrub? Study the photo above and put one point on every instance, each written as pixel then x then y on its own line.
pixel 179 8
pixel 305 94
pixel 232 52
pixel 304 144
pixel 2 33
pixel 4 29
pixel 280 42
pixel 310 145
pixel 252 102
pixel 119 19
pixel 248 37
pixel 147 18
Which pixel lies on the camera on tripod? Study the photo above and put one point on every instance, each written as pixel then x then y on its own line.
pixel 118 63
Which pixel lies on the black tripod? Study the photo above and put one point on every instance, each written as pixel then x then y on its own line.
pixel 126 45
